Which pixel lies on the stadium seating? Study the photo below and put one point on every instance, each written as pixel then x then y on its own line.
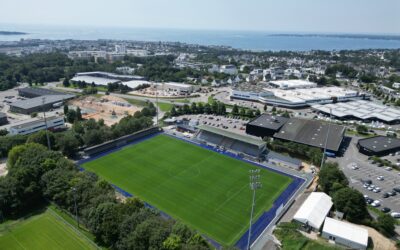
pixel 229 143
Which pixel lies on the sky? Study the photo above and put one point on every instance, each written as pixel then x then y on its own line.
pixel 325 16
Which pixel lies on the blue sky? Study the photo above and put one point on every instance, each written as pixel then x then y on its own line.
pixel 347 16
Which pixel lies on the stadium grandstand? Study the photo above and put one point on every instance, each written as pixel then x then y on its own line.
pixel 231 141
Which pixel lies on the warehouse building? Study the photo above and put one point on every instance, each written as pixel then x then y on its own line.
pixel 179 88
pixel 365 111
pixel 292 84
pixel 314 210
pixel 294 98
pixel 265 125
pixel 378 145
pixel 346 234
pixel 37 124
pixel 36 92
pixel 104 78
pixel 39 104
pixel 312 133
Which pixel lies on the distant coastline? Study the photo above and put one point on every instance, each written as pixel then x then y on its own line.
pixel 12 33
pixel 352 36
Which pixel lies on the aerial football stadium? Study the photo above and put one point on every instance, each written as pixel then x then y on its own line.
pixel 205 188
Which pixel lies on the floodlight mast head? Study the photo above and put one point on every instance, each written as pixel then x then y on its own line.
pixel 254 185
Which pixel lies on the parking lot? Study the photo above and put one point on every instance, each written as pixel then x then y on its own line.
pixel 365 170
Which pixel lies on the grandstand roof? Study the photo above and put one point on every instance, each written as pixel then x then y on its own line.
pixel 243 138
pixel 312 133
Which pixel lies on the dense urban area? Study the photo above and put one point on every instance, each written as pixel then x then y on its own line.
pixel 149 145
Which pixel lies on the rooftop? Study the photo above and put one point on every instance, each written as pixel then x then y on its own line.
pixel 363 110
pixel 33 121
pixel 39 91
pixel 244 138
pixel 314 209
pixel 379 143
pixel 38 101
pixel 346 230
pixel 269 121
pixel 312 133
pixel 292 84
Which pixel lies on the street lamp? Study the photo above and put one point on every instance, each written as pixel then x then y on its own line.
pixel 45 122
pixel 254 185
pixel 76 207
pixel 326 138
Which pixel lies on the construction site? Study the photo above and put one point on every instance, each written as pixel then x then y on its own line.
pixel 109 108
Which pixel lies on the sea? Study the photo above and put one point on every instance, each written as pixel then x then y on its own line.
pixel 247 40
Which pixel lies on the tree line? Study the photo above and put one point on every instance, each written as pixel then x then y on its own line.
pixel 37 175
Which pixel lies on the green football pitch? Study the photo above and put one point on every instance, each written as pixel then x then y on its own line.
pixel 44 231
pixel 206 190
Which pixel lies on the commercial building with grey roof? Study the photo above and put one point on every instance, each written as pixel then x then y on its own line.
pixel 312 133
pixel 361 110
pixel 265 125
pixel 378 145
pixel 40 103
pixel 36 92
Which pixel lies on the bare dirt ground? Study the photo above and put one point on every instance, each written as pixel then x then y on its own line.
pixel 380 241
pixel 109 108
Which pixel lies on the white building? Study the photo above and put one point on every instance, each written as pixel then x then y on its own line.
pixel 228 69
pixel 292 84
pixel 120 48
pixel 138 52
pixel 396 85
pixel 179 88
pixel 346 234
pixel 35 125
pixel 314 210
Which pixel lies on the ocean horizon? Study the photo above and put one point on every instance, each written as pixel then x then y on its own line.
pixel 246 40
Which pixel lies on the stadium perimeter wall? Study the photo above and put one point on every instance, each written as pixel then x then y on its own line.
pixel 120 142
pixel 258 226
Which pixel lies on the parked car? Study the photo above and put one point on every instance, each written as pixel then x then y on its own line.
pixel 385 195
pixel 380 178
pixel 395 215
pixel 391 193
pixel 376 203
pixel 396 189
pixel 388 168
pixel 385 209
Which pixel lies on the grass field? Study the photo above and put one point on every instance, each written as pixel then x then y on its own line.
pixel 204 189
pixel 43 231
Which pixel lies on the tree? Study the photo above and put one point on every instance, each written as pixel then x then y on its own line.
pixel 41 138
pixel 78 114
pixel 186 109
pixel 250 113
pixel 386 225
pixel 65 109
pixel 200 108
pixel 207 108
pixel 68 143
pixel 242 112
pixel 173 111
pixel 362 129
pixel 214 107
pixel 352 203
pixel 235 110
pixel 194 108
pixel 265 107
pixel 173 242
pixel 66 82
pixel 273 109
pixel 71 116
pixel 286 114
pixel 258 113
pixel 329 175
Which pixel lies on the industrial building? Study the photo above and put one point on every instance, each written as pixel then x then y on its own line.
pixel 265 125
pixel 3 118
pixel 361 110
pixel 292 84
pixel 314 210
pixel 294 98
pixel 38 104
pixel 312 133
pixel 378 145
pixel 344 233
pixel 179 88
pixel 36 92
pixel 37 124
pixel 104 78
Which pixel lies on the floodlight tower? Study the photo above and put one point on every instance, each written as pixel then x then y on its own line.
pixel 254 185
pixel 45 123
pixel 326 138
